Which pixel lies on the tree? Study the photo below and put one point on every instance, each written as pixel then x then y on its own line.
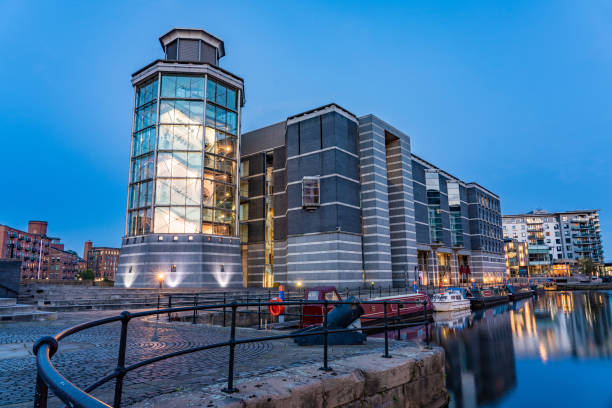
pixel 586 266
pixel 87 275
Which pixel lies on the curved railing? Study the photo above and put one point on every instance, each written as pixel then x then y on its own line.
pixel 48 377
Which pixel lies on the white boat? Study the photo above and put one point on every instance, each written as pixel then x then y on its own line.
pixel 454 320
pixel 449 301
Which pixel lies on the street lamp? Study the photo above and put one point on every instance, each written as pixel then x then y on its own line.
pixel 160 278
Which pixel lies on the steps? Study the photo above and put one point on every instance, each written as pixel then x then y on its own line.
pixel 10 311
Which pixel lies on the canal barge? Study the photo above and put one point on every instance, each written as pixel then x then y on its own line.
pixel 515 293
pixel 409 307
pixel 484 297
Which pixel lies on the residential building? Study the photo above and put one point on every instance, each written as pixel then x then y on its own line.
pixel 41 256
pixel 103 261
pixel 183 189
pixel 331 198
pixel 517 258
pixel 556 237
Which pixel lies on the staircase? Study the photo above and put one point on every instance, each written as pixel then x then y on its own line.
pixel 10 311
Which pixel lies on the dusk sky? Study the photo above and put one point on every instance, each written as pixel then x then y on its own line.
pixel 515 96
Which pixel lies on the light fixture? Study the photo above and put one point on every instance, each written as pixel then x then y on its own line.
pixel 299 284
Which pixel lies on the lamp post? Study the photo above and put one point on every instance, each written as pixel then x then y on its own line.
pixel 160 278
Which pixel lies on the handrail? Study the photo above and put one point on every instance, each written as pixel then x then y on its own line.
pixel 49 378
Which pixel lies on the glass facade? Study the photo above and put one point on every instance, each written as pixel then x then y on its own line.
pixel 456 223
pixel 434 211
pixel 191 187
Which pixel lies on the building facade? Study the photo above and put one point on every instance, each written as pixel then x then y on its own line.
pixel 517 258
pixel 331 198
pixel 559 238
pixel 181 223
pixel 41 256
pixel 103 261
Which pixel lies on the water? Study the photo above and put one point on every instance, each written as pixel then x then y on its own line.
pixel 551 351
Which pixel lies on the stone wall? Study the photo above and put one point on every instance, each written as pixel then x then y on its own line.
pixel 413 377
pixel 9 278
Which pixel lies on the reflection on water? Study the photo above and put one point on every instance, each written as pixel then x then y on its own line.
pixel 483 347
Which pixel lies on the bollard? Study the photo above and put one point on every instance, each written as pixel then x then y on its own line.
pixel 426 322
pixel 398 318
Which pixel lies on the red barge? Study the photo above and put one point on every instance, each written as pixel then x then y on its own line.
pixel 410 308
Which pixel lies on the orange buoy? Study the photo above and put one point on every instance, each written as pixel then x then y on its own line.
pixel 276 310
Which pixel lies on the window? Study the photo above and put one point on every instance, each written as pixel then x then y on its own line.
pixel 559 249
pixel 567 240
pixel 570 255
pixel 568 247
pixel 310 192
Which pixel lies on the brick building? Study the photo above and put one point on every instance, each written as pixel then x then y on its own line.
pixel 41 256
pixel 102 261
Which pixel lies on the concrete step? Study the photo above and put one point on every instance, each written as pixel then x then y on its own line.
pixel 15 309
pixel 112 306
pixel 8 301
pixel 27 317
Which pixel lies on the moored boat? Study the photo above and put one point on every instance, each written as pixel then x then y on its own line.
pixel 550 286
pixel 484 297
pixel 516 293
pixel 450 300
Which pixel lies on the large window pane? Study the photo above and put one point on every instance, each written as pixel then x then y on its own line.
pixel 164 164
pixel 196 112
pixel 166 112
pixel 231 99
pixel 221 95
pixel 208 193
pixel 194 165
pixel 220 119
pixel 192 219
pixel 179 191
pixel 168 87
pixel 183 85
pixel 232 119
pixel 181 137
pixel 162 192
pixel 195 138
pixel 179 164
pixel 165 137
pixel 177 220
pixel 197 87
pixel 211 90
pixel 162 220
pixel 209 141
pixel 192 193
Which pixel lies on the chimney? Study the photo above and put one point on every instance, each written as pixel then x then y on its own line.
pixel 88 245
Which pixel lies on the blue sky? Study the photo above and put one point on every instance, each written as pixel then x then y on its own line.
pixel 515 96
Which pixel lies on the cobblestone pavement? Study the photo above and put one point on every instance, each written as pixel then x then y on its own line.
pixel 89 355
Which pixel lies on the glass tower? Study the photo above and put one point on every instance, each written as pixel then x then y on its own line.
pixel 183 188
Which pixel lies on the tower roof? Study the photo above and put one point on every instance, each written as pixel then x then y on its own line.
pixel 192 34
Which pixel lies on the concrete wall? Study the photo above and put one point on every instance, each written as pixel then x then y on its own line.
pixel 203 261
pixel 9 278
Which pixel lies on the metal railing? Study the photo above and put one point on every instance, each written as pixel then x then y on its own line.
pixel 48 378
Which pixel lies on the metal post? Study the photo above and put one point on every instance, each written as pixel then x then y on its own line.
pixel 325 366
pixel 370 292
pixel 258 312
pixel 169 305
pixel 399 333
pixel 195 304
pixel 120 370
pixel 157 315
pixel 426 322
pixel 380 291
pixel 223 309
pixel 40 397
pixel 232 345
pixel 386 355
pixel 359 292
pixel 302 312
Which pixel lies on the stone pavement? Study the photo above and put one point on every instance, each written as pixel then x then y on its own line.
pixel 87 356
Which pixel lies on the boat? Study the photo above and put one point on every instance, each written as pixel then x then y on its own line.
pixel 550 286
pixel 515 293
pixel 484 297
pixel 449 300
pixel 409 308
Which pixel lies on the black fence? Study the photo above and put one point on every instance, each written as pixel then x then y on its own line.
pixel 49 378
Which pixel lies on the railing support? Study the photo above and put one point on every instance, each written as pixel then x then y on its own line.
pixel 120 370
pixel 195 311
pixel 232 345
pixel 325 334
pixel 169 305
pixel 397 321
pixel 224 309
pixel 157 314
pixel 386 355
pixel 425 320
pixel 258 312
pixel 42 390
